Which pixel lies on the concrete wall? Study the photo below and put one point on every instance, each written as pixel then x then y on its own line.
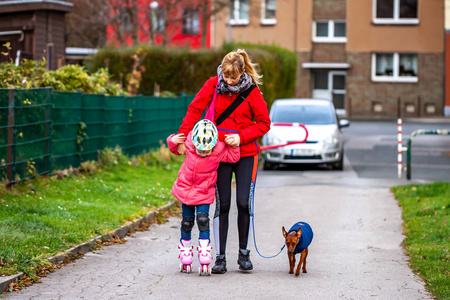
pixel 425 37
pixel 282 33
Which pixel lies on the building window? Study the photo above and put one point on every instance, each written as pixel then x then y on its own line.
pixel 394 67
pixel 330 31
pixel 395 12
pixel 191 21
pixel 268 12
pixel 321 80
pixel 239 12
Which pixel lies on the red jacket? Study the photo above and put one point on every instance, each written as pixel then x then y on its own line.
pixel 250 119
pixel 197 176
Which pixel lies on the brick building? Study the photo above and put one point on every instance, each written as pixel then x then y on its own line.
pixel 370 57
pixel 447 58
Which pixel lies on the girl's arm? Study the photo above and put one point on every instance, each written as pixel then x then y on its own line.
pixel 230 154
pixel 174 140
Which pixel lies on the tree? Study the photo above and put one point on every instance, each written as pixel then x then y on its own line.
pixel 207 12
pixel 86 23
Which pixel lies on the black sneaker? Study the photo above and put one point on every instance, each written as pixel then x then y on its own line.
pixel 244 260
pixel 220 266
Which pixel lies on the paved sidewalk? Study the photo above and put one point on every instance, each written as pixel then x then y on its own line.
pixel 356 252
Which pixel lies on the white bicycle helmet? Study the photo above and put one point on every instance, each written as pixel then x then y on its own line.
pixel 204 135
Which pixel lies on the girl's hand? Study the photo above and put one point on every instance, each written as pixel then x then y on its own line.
pixel 178 138
pixel 233 140
pixel 181 149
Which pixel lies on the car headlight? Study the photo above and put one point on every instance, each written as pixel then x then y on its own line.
pixel 332 140
pixel 274 140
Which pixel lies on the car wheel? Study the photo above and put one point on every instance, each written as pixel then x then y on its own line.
pixel 340 164
pixel 268 166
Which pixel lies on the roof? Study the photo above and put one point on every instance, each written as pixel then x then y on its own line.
pixel 31 5
pixel 80 51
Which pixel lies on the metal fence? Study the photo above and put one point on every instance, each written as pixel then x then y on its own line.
pixel 43 130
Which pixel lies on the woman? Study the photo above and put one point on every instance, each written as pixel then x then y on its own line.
pixel 249 121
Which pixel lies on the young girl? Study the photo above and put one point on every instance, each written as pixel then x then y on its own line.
pixel 195 186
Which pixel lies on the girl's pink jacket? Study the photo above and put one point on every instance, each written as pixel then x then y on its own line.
pixel 197 176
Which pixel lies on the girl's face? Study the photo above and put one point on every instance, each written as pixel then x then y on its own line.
pixel 231 80
pixel 203 153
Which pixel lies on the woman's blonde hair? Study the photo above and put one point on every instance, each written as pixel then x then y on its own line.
pixel 236 62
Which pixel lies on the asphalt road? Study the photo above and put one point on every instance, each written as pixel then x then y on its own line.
pixel 371 148
pixel 356 252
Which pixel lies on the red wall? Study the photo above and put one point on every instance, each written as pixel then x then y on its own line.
pixel 174 30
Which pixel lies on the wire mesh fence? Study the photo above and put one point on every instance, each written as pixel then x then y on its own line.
pixel 43 130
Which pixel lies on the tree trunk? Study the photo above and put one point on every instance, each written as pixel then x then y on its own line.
pixel 135 22
pixel 205 17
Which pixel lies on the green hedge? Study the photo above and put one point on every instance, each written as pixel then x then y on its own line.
pixel 184 71
pixel 70 78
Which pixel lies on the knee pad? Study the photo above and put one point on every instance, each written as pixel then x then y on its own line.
pixel 187 223
pixel 203 221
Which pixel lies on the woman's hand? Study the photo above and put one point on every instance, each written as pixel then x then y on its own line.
pixel 233 140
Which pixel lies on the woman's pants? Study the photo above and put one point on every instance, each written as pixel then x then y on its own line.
pixel 245 174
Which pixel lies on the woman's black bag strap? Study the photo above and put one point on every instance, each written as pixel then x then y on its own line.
pixel 240 98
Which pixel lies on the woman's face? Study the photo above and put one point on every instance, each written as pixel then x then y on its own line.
pixel 231 80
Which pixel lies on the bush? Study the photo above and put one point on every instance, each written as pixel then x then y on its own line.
pixel 70 78
pixel 184 71
pixel 181 71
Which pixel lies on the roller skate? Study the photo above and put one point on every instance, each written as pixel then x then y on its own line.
pixel 204 257
pixel 185 256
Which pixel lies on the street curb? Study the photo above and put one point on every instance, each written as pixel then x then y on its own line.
pixel 85 247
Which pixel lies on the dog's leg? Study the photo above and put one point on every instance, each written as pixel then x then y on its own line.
pixel 304 262
pixel 302 259
pixel 291 263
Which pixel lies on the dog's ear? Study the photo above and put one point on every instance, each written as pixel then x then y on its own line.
pixel 299 233
pixel 284 232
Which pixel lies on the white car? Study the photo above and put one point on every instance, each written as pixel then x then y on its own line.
pixel 325 143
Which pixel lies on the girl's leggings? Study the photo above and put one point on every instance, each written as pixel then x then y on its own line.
pixel 187 222
pixel 245 174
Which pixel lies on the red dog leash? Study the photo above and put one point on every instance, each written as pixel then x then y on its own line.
pixel 288 143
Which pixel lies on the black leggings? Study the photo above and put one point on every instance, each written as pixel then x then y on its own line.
pixel 245 174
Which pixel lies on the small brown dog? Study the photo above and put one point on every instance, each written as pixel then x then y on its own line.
pixel 298 239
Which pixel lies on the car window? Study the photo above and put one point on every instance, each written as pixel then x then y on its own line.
pixel 305 114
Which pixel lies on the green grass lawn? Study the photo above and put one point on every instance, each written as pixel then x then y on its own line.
pixel 42 217
pixel 426 221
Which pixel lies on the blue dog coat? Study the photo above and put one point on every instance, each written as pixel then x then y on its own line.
pixel 305 239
